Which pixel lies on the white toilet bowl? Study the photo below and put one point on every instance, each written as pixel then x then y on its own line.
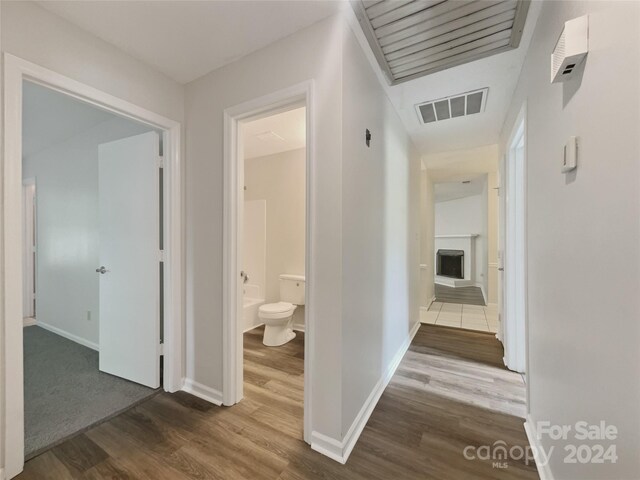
pixel 278 319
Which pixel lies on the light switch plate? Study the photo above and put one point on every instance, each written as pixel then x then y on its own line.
pixel 570 155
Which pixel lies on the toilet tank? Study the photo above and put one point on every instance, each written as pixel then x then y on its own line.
pixel 292 289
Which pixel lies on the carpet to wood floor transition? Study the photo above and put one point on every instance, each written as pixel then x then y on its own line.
pixel 64 392
pixel 450 391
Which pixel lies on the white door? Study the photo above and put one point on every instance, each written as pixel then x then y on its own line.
pixel 514 324
pixel 129 258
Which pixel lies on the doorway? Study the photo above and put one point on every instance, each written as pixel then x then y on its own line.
pixel 21 78
pixel 514 300
pixel 237 121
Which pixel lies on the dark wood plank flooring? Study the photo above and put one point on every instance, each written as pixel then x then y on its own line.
pixel 468 295
pixel 449 392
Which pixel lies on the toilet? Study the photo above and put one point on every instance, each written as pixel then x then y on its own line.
pixel 278 317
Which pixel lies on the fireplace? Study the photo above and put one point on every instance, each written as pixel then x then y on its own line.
pixel 450 263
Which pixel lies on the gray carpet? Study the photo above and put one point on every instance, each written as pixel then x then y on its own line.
pixel 465 295
pixel 64 392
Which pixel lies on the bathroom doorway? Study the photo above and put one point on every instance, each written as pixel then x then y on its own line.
pixel 266 308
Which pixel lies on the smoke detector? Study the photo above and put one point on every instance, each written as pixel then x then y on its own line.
pixel 571 49
pixel 451 107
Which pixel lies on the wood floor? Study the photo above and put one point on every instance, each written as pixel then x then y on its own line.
pixel 450 391
pixel 468 295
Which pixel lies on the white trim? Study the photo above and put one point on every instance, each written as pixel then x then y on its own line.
pixel 232 349
pixel 514 329
pixel 202 391
pixel 29 232
pixel 340 450
pixel 544 471
pixel 28 321
pixel 68 336
pixel 15 71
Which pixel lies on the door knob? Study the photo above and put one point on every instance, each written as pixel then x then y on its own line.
pixel 101 270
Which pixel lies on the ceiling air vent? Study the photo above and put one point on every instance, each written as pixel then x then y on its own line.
pixel 452 107
pixel 413 38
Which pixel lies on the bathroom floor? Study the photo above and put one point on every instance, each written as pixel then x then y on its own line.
pixel 274 381
pixel 470 317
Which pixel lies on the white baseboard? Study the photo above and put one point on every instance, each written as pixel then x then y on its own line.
pixel 484 294
pixel 430 302
pixel 202 391
pixel 340 450
pixel 68 336
pixel 2 477
pixel 298 328
pixel 543 467
pixel 252 328
pixel 28 321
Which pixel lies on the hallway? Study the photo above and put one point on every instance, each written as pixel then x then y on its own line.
pixel 450 391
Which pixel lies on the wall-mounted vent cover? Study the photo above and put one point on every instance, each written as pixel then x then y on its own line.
pixel 452 107
pixel 411 39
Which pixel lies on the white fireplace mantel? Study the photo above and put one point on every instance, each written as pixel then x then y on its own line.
pixel 460 241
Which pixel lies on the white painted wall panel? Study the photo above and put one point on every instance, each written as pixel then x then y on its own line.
pixel 584 232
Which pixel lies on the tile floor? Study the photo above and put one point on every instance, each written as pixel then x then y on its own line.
pixel 472 317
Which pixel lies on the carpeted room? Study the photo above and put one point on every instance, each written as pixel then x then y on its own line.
pixel 66 385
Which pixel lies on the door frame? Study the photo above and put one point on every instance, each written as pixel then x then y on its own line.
pixel 16 70
pixel 232 385
pixel 515 330
pixel 29 217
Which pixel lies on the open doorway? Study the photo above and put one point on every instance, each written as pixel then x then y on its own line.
pixel 19 75
pixel 91 239
pixel 465 231
pixel 272 245
pixel 268 161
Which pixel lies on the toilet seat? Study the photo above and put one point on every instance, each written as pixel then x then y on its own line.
pixel 276 310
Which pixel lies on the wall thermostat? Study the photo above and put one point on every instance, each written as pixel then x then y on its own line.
pixel 570 157
pixel 571 49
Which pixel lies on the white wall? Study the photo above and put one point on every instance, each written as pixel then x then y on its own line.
pixel 365 224
pixel 584 232
pixel 381 233
pixel 427 240
pixel 30 32
pixel 282 64
pixel 280 180
pixel 254 252
pixel 67 228
pixel 467 215
pixel 493 223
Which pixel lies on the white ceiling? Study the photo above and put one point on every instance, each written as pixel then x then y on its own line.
pixel 187 39
pixel 443 192
pixel 50 118
pixel 500 73
pixel 275 134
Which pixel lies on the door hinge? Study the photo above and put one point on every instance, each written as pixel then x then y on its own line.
pixel 161 255
pixel 160 161
pixel 161 349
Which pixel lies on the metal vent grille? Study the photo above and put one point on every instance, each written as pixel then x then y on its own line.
pixel 452 107
pixel 412 38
